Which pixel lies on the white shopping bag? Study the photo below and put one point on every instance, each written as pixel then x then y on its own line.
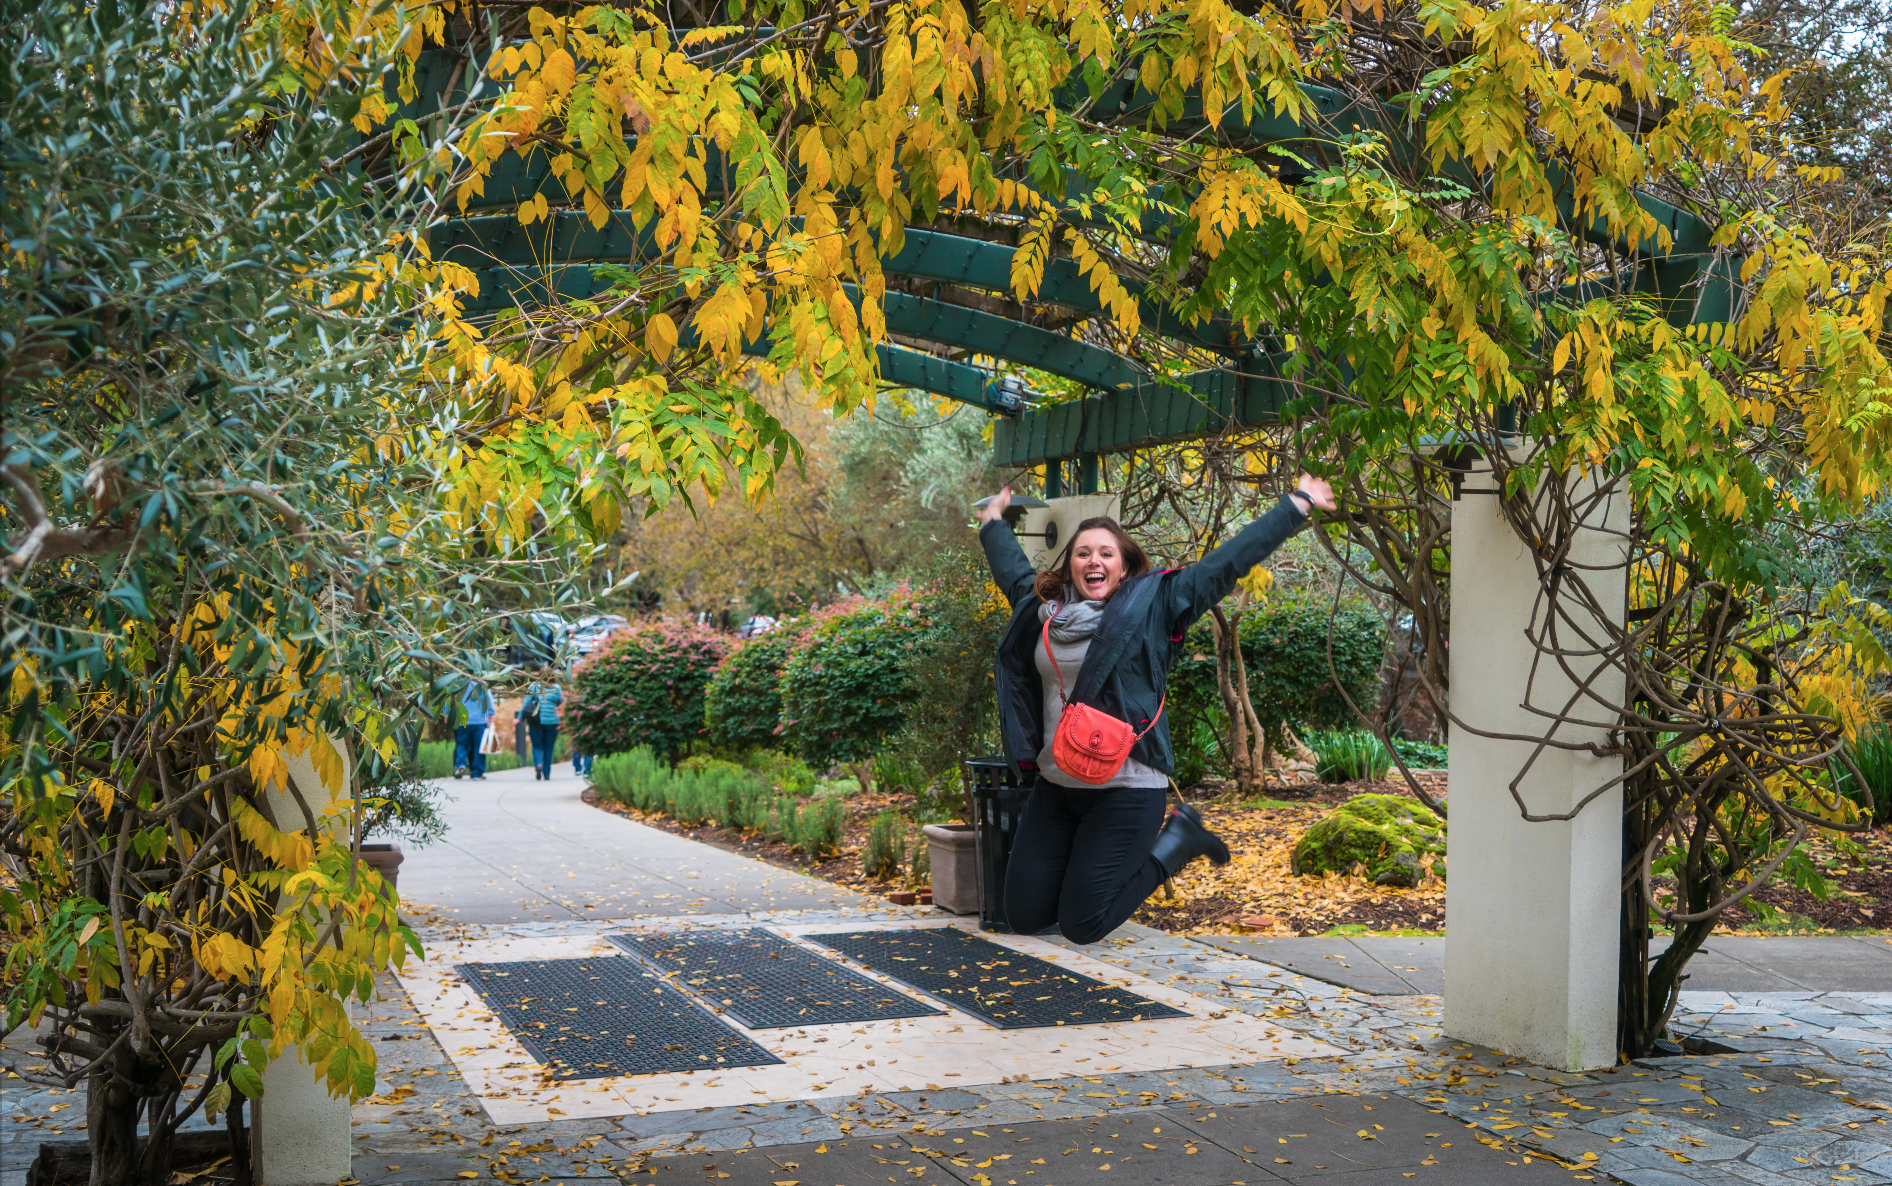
pixel 489 740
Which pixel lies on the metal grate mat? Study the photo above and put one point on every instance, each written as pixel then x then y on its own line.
pixel 589 1018
pixel 1008 988
pixel 763 981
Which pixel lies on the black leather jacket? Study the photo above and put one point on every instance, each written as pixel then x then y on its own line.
pixel 1152 627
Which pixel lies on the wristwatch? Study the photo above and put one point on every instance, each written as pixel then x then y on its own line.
pixel 1305 502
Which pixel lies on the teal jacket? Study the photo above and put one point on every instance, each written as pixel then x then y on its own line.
pixel 1138 640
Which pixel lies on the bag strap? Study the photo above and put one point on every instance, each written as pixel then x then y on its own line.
pixel 1046 636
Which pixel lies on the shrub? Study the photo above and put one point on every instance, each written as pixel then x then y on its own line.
pixel 885 852
pixel 952 713
pixel 1871 751
pixel 1347 755
pixel 742 703
pixel 643 686
pixel 398 800
pixel 703 791
pixel 845 690
pixel 784 772
pixel 1285 649
pixel 1422 754
pixel 819 827
pixel 434 759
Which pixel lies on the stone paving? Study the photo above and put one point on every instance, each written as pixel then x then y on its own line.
pixel 1784 1087
pixel 1798 1097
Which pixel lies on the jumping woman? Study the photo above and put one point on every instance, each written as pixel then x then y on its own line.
pixel 1095 636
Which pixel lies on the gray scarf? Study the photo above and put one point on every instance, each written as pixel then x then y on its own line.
pixel 1075 622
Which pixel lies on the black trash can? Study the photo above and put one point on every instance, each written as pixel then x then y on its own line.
pixel 998 798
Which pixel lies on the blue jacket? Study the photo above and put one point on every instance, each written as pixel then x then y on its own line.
pixel 549 700
pixel 1150 624
pixel 478 701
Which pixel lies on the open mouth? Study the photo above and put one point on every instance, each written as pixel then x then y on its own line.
pixel 1095 581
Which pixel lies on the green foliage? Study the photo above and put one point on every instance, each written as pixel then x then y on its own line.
pixel 399 800
pixel 742 703
pixel 847 690
pixel 643 687
pixel 209 391
pixel 1285 646
pixel 1421 755
pixel 1871 752
pixel 1347 755
pixel 434 759
pixel 886 850
pixel 785 772
pixel 704 791
pixel 1390 839
pixel 904 681
pixel 953 710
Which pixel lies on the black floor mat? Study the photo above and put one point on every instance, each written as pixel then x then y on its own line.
pixel 762 981
pixel 589 1018
pixel 1007 988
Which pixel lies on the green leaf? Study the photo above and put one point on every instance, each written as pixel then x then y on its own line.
pixel 244 1078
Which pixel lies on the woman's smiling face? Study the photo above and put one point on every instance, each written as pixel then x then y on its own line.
pixel 1097 565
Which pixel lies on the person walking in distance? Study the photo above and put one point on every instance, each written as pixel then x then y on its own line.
pixel 1082 673
pixel 477 701
pixel 541 709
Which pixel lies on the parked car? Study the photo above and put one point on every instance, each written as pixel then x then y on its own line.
pixel 592 629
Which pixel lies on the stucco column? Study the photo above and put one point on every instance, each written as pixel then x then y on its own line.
pixel 1531 908
pixel 299 1133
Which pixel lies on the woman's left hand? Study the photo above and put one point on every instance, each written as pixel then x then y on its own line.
pixel 1317 492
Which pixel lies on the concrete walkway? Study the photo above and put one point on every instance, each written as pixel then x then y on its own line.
pixel 1391 964
pixel 521 851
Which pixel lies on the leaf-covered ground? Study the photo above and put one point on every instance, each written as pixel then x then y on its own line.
pixel 1256 894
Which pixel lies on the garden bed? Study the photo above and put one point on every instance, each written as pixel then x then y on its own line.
pixel 1255 894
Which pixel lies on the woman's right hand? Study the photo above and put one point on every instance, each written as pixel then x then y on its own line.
pixel 992 511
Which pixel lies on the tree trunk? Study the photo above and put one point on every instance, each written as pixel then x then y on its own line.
pixel 1258 748
pixel 154 1168
pixel 1234 698
pixel 239 1142
pixel 111 1128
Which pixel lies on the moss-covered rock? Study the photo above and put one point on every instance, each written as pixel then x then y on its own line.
pixel 1392 839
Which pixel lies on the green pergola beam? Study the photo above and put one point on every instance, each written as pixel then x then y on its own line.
pixel 1152 413
pixel 550 260
pixel 1001 337
pixel 568 239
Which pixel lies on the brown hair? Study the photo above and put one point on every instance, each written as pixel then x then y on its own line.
pixel 1055 582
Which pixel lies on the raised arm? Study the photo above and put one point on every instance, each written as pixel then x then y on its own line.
pixel 1193 590
pixel 1011 572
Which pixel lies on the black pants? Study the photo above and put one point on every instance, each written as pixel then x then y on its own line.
pixel 1081 859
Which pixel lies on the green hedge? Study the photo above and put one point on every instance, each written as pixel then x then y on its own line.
pixel 644 687
pixel 1285 647
pixel 845 690
pixel 742 703
pixel 905 680
pixel 720 792
pixel 435 760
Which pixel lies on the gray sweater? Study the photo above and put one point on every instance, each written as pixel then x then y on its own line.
pixel 1070 656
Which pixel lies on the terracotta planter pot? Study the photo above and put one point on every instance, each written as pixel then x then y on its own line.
pixel 384 859
pixel 952 850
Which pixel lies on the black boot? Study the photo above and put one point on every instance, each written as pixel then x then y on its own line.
pixel 1183 839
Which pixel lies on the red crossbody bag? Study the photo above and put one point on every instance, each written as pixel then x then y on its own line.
pixel 1090 745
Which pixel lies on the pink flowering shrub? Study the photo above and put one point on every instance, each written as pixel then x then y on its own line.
pixel 644 686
